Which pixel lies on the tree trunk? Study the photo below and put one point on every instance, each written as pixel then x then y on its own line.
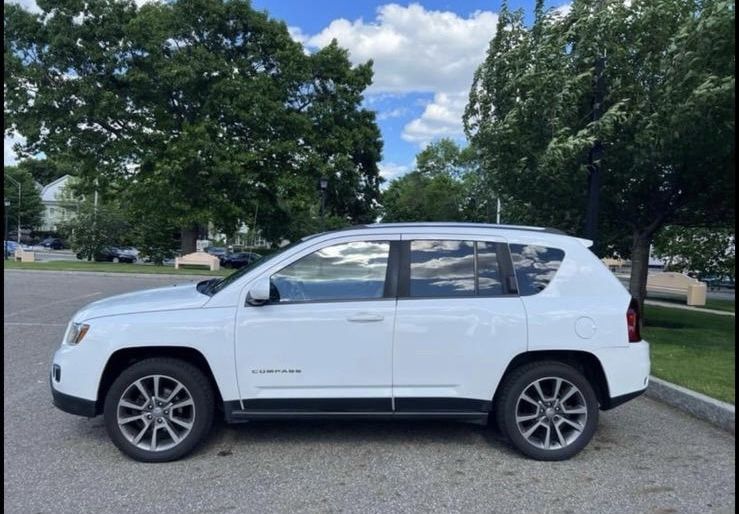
pixel 639 267
pixel 189 236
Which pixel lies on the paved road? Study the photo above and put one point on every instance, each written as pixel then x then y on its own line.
pixel 645 457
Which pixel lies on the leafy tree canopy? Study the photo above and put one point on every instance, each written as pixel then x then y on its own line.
pixel 710 252
pixel 666 130
pixel 445 186
pixel 31 208
pixel 194 111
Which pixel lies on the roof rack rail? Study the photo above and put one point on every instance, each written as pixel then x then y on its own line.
pixel 459 224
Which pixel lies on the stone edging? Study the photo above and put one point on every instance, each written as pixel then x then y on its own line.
pixel 708 409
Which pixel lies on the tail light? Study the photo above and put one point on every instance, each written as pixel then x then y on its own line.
pixel 633 321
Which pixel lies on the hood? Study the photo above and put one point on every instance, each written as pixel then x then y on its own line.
pixel 179 296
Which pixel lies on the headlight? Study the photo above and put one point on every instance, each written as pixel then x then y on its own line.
pixel 77 332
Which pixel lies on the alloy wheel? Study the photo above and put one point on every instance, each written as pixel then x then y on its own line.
pixel 551 413
pixel 156 413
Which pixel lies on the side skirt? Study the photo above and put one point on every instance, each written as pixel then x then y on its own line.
pixel 360 408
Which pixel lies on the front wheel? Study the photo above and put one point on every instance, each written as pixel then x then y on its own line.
pixel 548 410
pixel 159 409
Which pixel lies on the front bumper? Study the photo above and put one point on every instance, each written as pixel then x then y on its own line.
pixel 72 404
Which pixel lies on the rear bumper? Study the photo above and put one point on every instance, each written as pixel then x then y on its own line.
pixel 627 371
pixel 619 400
pixel 72 404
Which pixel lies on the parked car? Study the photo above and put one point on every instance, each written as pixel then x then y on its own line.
pixel 239 260
pixel 521 326
pixel 718 282
pixel 112 254
pixel 128 253
pixel 10 247
pixel 218 251
pixel 53 243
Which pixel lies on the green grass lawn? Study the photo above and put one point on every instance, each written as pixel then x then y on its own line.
pixel 111 267
pixel 711 303
pixel 692 349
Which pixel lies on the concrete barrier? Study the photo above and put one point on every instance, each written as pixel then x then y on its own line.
pixel 198 259
pixel 704 407
pixel 676 283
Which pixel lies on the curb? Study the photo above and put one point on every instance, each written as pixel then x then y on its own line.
pixel 689 308
pixel 184 276
pixel 703 407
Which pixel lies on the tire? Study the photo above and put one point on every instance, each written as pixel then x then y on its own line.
pixel 556 419
pixel 159 425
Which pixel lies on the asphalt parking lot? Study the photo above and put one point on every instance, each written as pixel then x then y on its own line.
pixel 645 457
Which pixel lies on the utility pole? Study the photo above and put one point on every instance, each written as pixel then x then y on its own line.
pixel 497 216
pixel 322 185
pixel 17 183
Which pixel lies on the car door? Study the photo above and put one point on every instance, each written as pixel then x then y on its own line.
pixel 323 343
pixel 458 322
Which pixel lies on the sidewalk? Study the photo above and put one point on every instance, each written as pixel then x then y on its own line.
pixel 688 307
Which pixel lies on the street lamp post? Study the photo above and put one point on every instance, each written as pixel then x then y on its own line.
pixel 19 206
pixel 5 234
pixel 322 185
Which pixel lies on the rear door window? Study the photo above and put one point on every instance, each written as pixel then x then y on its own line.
pixel 451 269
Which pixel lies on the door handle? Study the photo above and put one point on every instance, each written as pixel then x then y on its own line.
pixel 365 317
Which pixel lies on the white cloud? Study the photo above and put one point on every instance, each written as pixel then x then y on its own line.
pixel 28 5
pixel 421 51
pixel 296 33
pixel 562 10
pixel 441 118
pixel 9 156
pixel 414 49
pixel 391 170
pixel 392 113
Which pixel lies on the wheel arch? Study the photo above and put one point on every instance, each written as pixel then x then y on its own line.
pixel 585 362
pixel 125 357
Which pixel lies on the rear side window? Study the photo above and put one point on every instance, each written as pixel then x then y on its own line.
pixel 449 269
pixel 535 266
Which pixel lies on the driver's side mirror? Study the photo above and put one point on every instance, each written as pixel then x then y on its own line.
pixel 259 292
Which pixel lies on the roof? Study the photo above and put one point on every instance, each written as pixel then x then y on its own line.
pixel 52 192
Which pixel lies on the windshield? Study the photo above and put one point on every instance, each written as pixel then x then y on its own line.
pixel 220 284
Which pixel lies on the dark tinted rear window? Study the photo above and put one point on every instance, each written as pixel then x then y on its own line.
pixel 535 266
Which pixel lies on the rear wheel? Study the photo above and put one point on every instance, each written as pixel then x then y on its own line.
pixel 548 410
pixel 159 409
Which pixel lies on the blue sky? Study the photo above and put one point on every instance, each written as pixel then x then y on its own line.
pixel 424 52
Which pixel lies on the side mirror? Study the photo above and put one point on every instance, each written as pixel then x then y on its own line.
pixel 259 292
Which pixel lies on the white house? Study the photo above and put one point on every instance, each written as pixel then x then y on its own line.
pixel 57 205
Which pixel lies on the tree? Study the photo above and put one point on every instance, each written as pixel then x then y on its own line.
pixel 666 131
pixel 93 228
pixel 445 186
pixel 45 171
pixel 206 106
pixel 709 251
pixel 419 197
pixel 31 208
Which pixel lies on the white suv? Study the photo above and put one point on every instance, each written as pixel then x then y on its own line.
pixel 428 320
